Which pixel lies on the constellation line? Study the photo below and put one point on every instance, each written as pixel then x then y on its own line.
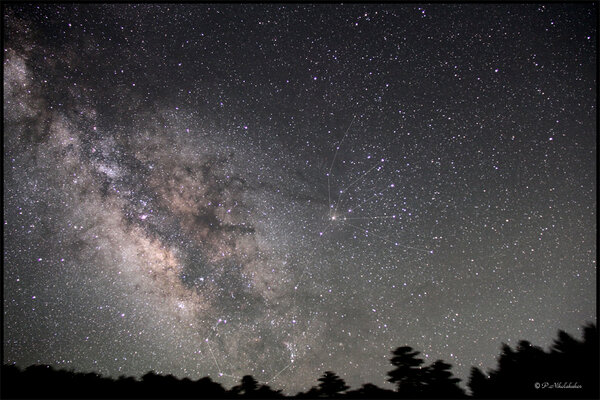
pixel 214 358
pixel 343 191
pixel 277 374
pixel 333 161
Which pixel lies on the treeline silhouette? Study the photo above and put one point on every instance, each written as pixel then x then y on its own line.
pixel 568 370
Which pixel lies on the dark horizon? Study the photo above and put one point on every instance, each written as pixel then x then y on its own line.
pixel 569 369
pixel 273 190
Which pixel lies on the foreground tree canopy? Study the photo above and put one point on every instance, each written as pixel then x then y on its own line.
pixel 568 370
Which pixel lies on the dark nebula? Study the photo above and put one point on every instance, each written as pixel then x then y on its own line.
pixel 280 190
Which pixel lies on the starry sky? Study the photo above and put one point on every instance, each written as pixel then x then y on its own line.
pixel 284 189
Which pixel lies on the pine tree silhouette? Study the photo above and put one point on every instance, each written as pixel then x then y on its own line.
pixel 591 366
pixel 440 383
pixel 521 373
pixel 479 383
pixel 408 376
pixel 568 370
pixel 370 391
pixel 311 393
pixel 331 385
pixel 247 387
pixel 266 392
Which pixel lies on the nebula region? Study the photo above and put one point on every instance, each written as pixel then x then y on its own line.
pixel 280 190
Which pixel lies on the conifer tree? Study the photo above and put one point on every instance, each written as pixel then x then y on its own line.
pixel 331 385
pixel 408 376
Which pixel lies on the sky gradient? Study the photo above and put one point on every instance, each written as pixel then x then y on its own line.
pixel 280 190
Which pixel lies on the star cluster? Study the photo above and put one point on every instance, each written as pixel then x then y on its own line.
pixel 279 190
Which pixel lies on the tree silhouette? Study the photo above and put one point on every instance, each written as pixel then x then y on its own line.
pixel 311 393
pixel 569 369
pixel 331 385
pixel 440 382
pixel 591 367
pixel 577 361
pixel 247 387
pixel 250 388
pixel 266 392
pixel 370 391
pixel 207 388
pixel 517 373
pixel 479 384
pixel 408 376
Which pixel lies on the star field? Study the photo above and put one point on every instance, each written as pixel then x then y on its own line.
pixel 280 190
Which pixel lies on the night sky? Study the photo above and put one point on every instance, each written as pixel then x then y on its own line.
pixel 280 190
